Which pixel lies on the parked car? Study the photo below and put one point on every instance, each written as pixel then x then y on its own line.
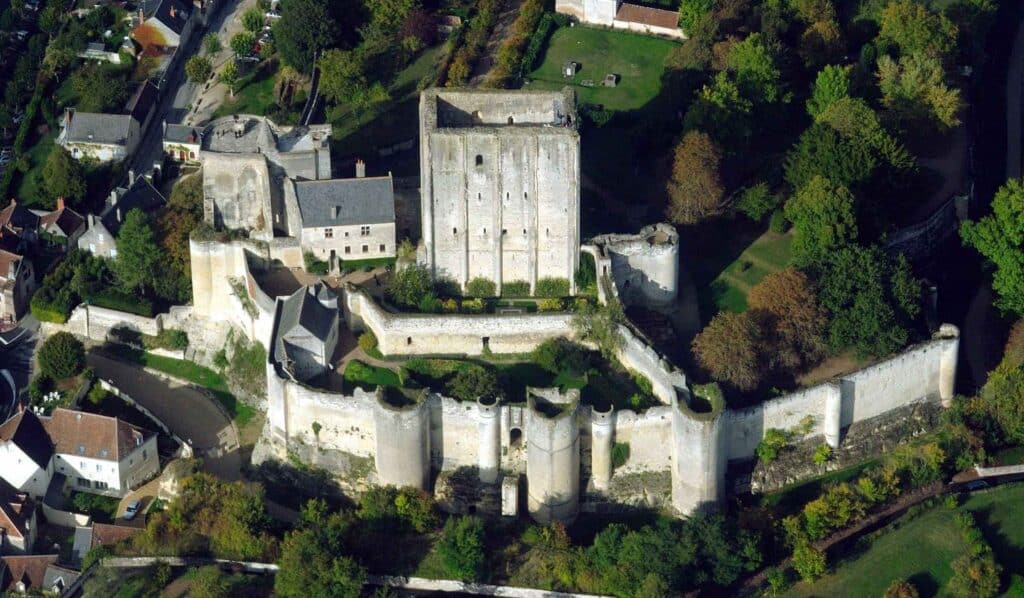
pixel 132 510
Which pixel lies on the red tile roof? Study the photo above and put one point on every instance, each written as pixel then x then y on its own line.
pixel 92 435
pixel 15 510
pixel 30 570
pixel 645 15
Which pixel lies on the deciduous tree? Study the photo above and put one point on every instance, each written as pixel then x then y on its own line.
pixel 343 80
pixel 796 321
pixel 824 220
pixel 915 29
pixel 823 151
pixel 831 85
pixel 756 74
pixel 695 187
pixel 137 252
pixel 914 90
pixel 252 19
pixel 63 177
pixel 306 27
pixel 461 548
pixel 729 348
pixel 1000 238
pixel 198 69
pixel 243 43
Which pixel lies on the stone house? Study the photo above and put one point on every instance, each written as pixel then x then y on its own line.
pixel 623 15
pixel 17 520
pixel 167 23
pixel 344 219
pixel 62 226
pixel 307 331
pixel 100 236
pixel 104 137
pixel 95 453
pixel 181 143
pixel 17 282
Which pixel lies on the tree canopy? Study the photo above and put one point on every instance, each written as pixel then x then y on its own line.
pixel 61 356
pixel 914 90
pixel 831 85
pixel 730 349
pixel 63 177
pixel 1000 238
pixel 461 548
pixel 99 88
pixel 824 220
pixel 198 68
pixel 137 252
pixel 306 27
pixel 915 29
pixel 795 321
pixel 695 187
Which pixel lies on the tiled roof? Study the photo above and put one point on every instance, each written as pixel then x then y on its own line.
pixel 92 127
pixel 64 219
pixel 17 217
pixel 346 202
pixel 30 570
pixel 105 534
pixel 59 577
pixel 91 435
pixel 27 433
pixel 162 11
pixel 15 510
pixel 645 15
pixel 181 134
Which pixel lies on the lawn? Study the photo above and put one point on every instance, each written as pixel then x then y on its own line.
pixel 725 287
pixel 30 189
pixel 204 377
pixel 254 93
pixel 638 60
pixel 921 550
pixel 369 377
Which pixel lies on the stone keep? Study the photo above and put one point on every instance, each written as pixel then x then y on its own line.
pixel 500 185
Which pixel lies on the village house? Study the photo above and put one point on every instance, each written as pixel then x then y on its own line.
pixel 181 143
pixel 103 137
pixel 24 574
pixel 94 453
pixel 17 279
pixel 17 520
pixel 100 236
pixel 62 226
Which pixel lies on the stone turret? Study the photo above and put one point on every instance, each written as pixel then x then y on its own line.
pixel 553 455
pixel 403 440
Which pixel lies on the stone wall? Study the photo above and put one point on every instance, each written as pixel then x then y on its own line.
pixel 644 267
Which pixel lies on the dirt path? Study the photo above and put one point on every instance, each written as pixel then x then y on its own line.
pixel 502 29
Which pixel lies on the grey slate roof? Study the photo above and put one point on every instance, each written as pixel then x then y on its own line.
pixel 92 127
pixel 59 575
pixel 141 195
pixel 345 202
pixel 181 134
pixel 306 309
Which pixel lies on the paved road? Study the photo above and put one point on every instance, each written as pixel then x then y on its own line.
pixel 188 412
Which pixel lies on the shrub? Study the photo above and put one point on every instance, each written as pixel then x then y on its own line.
pixel 96 394
pixel 61 356
pixel 774 441
pixel 562 355
pixel 822 454
pixel 540 37
pixel 808 561
pixel 461 548
pixel 481 287
pixel 429 304
pixel 367 342
pixel 620 454
pixel 551 304
pixel 450 306
pixel 586 274
pixel 516 288
pixel 758 201
pixel 410 286
pixel 121 301
pixel 473 306
pixel 473 382
pixel 552 287
pixel 778 223
pixel 39 387
pixel 315 265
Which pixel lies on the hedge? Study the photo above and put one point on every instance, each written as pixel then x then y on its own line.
pixel 121 301
pixel 548 24
pixel 552 287
pixel 373 262
pixel 47 312
pixel 509 61
pixel 516 288
pixel 481 287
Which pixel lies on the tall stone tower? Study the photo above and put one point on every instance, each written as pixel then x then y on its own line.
pixel 500 185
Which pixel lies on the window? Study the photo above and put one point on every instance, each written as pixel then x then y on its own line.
pixel 348 250
pixel 144 455
pixel 113 252
pixel 366 249
pixel 364 231
pixel 346 234
pixel 84 483
pixel 328 233
pixel 479 160
pixel 100 485
pixel 455 231
pixel 383 248
pixel 99 467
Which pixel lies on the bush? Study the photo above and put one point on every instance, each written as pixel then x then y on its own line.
pixel 551 304
pixel 538 40
pixel 121 301
pixel 562 355
pixel 39 387
pixel 620 454
pixel 461 548
pixel 315 265
pixel 774 441
pixel 473 382
pixel 822 454
pixel 410 286
pixel 516 288
pixel 368 343
pixel 481 287
pixel 758 201
pixel 552 287
pixel 96 394
pixel 473 306
pixel 429 304
pixel 778 223
pixel 61 356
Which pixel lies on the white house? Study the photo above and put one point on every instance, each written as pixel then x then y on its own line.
pixel 17 520
pixel 96 453
pixel 104 137
pixel 623 15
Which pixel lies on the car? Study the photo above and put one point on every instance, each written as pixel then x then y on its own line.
pixel 977 485
pixel 132 510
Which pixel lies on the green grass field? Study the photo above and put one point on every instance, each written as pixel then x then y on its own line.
pixel 254 93
pixel 921 550
pixel 638 60
pixel 727 290
pixel 369 377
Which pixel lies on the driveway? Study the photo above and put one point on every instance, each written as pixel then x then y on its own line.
pixel 187 411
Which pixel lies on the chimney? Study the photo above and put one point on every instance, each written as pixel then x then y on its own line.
pixel 60 203
pixel 113 196
pixel 360 169
pixel 92 220
pixel 21 407
pixel 172 10
pixel 131 177
pixel 118 213
pixel 334 212
pixel 142 16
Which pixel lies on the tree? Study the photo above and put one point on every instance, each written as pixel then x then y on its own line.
pixel 758 201
pixel 915 92
pixel 229 76
pixel 914 29
pixel 198 69
pixel 137 252
pixel 691 12
pixel 823 151
pixel 252 19
pixel 410 285
pixel 1002 398
pixel 599 324
pixel 305 28
pixel 824 220
pixel 211 43
pixel 99 88
pixel 343 80
pixel 808 561
pixel 831 85
pixel 62 176
pixel 975 575
pixel 208 582
pixel 729 348
pixel 901 588
pixel 1000 238
pixel 722 111
pixel 796 320
pixel 695 187
pixel 461 548
pixel 1013 353
pixel 243 43
pixel 821 44
pixel 61 356
pixel 855 286
pixel 756 75
pixel 312 563
pixel 389 16
pixel 472 383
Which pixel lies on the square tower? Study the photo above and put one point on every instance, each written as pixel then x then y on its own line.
pixel 500 185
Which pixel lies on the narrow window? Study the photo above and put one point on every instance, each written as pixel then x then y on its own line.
pixel 479 160
pixel 455 231
pixel 366 249
pixel 504 232
pixel 485 232
pixel 348 250
pixel 382 248
pixel 408 340
pixel 511 121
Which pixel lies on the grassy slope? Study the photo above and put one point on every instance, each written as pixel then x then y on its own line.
pixel 254 95
pixel 726 287
pixel 637 59
pixel 204 377
pixel 922 549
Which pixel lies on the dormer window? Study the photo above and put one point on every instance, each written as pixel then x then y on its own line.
pixel 81 449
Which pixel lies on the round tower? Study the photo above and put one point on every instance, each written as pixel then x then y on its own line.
pixel 403 441
pixel 698 465
pixel 489 456
pixel 601 432
pixel 553 455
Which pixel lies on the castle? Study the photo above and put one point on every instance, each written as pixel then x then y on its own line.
pixel 548 447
